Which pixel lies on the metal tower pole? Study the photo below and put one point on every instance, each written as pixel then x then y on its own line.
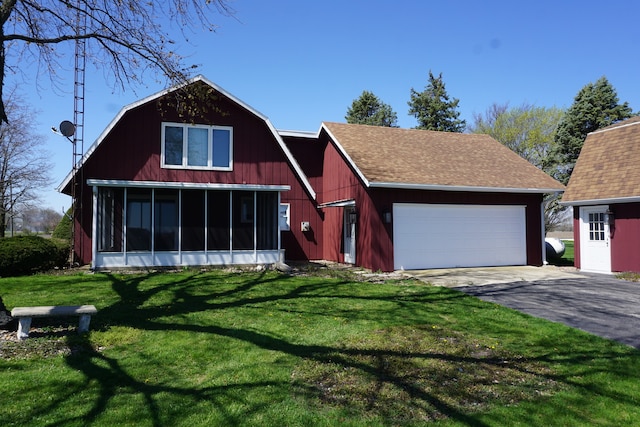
pixel 78 120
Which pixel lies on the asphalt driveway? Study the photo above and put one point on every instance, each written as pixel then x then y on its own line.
pixel 599 304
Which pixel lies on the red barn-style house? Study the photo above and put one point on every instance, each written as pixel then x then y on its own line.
pixel 604 191
pixel 213 182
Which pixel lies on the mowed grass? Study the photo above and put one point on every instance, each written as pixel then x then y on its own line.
pixel 227 348
pixel 568 250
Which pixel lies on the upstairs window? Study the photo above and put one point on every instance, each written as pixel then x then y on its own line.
pixel 187 146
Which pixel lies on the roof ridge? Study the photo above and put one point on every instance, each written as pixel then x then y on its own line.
pixel 619 125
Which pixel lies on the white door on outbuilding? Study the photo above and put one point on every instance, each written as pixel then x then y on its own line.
pixel 595 253
pixel 446 236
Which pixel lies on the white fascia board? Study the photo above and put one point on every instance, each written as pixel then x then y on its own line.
pixel 184 185
pixel 613 200
pixel 410 186
pixel 346 155
pixel 157 95
pixel 299 133
pixel 338 204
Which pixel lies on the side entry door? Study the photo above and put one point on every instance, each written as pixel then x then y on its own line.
pixel 595 241
pixel 349 233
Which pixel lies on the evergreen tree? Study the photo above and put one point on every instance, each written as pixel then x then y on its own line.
pixel 434 109
pixel 595 107
pixel 368 109
pixel 63 229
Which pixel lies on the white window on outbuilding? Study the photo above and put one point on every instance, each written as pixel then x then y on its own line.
pixel 596 226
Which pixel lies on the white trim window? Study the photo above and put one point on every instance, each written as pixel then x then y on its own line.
pixel 285 217
pixel 187 146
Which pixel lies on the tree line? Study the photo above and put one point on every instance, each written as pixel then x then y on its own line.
pixel 548 137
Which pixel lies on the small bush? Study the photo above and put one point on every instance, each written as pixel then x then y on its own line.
pixel 24 255
pixel 63 249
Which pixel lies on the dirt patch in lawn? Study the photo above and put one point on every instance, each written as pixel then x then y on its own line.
pixel 45 340
pixel 420 374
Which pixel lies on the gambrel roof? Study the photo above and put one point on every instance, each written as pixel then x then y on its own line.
pixel 422 159
pixel 607 169
pixel 278 138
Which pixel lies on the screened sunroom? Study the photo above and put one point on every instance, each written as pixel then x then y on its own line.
pixel 149 224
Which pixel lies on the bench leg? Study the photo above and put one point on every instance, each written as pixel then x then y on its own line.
pixel 83 325
pixel 24 324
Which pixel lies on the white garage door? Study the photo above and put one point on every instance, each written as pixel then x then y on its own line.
pixel 442 236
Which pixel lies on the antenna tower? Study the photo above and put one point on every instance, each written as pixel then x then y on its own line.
pixel 78 120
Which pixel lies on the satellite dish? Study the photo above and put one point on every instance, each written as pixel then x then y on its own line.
pixel 67 128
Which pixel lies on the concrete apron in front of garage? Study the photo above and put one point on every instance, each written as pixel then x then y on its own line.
pixel 478 276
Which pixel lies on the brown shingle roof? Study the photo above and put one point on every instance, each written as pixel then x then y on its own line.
pixel 429 158
pixel 608 165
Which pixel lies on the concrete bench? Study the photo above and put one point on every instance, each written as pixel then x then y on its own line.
pixel 24 315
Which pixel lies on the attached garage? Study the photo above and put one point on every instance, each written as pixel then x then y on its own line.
pixel 441 236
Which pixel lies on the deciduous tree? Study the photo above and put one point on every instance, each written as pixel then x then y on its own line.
pixel 434 109
pixel 594 107
pixel 39 220
pixel 127 40
pixel 24 164
pixel 368 109
pixel 530 132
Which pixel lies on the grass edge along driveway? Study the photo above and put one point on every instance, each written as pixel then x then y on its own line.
pixel 264 348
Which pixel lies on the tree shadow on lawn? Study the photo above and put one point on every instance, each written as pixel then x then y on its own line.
pixel 419 377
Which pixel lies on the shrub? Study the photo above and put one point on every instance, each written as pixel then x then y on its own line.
pixel 63 248
pixel 24 255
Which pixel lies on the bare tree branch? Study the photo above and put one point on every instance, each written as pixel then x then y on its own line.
pixel 24 164
pixel 127 39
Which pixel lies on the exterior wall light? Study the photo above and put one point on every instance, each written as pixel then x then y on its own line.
pixel 610 218
pixel 386 216
pixel 353 217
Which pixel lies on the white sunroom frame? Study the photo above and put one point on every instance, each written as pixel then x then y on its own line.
pixel 152 258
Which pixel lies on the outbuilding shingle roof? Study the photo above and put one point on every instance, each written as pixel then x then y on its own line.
pixel 608 165
pixel 431 159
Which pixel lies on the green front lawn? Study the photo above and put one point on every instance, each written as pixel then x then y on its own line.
pixel 568 250
pixel 266 349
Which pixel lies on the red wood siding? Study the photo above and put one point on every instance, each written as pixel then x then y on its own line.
pixel 339 182
pixel 131 151
pixel 309 154
pixel 625 238
pixel 82 247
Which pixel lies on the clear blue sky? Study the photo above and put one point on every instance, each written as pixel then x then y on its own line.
pixel 304 62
